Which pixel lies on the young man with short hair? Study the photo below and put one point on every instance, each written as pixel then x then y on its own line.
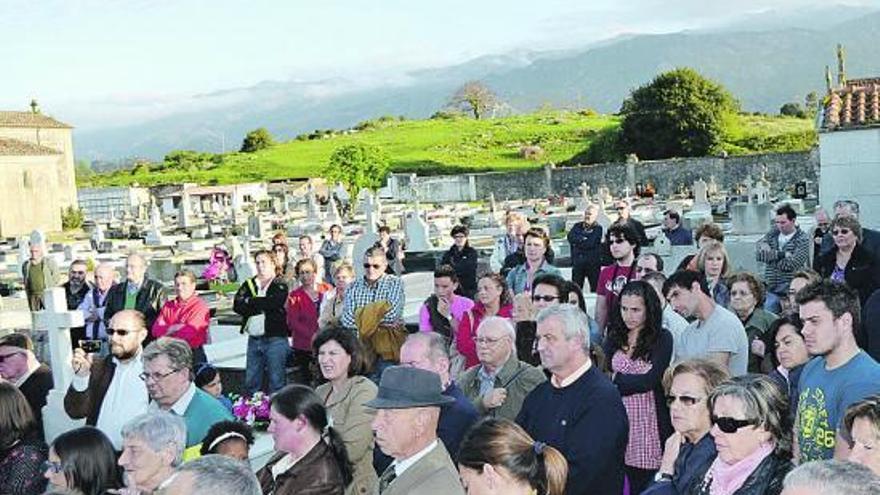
pixel 623 242
pixel 444 309
pixel 784 250
pixel 840 375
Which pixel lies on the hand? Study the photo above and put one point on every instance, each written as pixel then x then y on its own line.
pixel 443 306
pixel 494 398
pixel 670 453
pixel 522 307
pixel 81 362
pixel 758 347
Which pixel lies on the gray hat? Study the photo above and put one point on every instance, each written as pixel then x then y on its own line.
pixel 403 387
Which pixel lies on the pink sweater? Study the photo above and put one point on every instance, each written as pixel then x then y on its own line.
pixel 193 313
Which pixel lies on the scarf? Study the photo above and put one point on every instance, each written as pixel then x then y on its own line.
pixel 727 478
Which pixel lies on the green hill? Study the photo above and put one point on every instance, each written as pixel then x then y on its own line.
pixel 441 146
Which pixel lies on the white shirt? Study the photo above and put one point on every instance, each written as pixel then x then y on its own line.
pixel 179 407
pixel 126 398
pixel 572 377
pixel 783 239
pixel 401 466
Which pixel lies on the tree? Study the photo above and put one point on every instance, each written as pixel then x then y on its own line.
pixel 82 169
pixel 474 97
pixel 811 103
pixel 358 166
pixel 72 218
pixel 793 110
pixel 256 140
pixel 680 113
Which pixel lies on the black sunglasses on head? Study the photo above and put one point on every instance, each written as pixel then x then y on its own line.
pixel 731 425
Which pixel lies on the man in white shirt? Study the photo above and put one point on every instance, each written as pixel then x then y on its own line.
pixel 408 409
pixel 108 391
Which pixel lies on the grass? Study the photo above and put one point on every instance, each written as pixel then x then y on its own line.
pixel 458 145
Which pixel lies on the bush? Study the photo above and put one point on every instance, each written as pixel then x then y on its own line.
pixel 793 110
pixel 680 113
pixel 72 218
pixel 256 140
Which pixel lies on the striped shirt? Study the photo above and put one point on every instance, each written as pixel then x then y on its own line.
pixel 361 293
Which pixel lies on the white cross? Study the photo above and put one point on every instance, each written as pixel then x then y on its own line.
pixel 57 321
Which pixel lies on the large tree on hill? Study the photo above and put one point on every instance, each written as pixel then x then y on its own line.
pixel 358 166
pixel 257 140
pixel 474 97
pixel 680 113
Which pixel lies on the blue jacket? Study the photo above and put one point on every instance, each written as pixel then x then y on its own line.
pixel 587 422
pixel 586 244
pixel 679 236
pixel 519 276
pixel 455 420
pixel 690 468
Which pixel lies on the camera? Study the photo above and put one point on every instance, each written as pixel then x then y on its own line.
pixel 90 346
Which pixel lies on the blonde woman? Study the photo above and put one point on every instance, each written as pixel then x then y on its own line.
pixel 713 261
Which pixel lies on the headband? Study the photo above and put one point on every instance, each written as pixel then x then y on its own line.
pixel 225 436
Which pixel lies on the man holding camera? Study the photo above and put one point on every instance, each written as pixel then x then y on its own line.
pixel 108 391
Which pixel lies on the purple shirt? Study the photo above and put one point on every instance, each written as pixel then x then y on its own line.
pixel 460 305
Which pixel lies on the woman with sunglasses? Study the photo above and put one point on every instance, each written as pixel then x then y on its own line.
pixel 848 261
pixel 22 450
pixel 752 433
pixel 690 450
pixel 638 352
pixel 84 460
pixel 787 338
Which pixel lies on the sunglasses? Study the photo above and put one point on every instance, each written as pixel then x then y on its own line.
pixel 373 266
pixel 840 231
pixel 731 425
pixel 118 331
pixel 3 357
pixel 538 297
pixel 55 467
pixel 618 241
pixel 685 400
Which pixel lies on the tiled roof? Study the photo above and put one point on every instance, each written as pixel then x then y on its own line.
pixel 855 105
pixel 30 119
pixel 15 147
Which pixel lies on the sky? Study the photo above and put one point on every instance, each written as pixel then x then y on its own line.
pixel 106 62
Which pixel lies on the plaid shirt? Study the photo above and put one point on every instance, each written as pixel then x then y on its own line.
pixel 388 288
pixel 644 449
pixel 781 264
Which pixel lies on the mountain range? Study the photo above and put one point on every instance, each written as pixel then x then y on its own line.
pixel 764 59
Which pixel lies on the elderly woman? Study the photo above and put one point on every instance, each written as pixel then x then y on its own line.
pixel 302 310
pixel 342 363
pixel 22 450
pixel 747 302
pixel 260 300
pixel 690 450
pixel 493 299
pixel 536 247
pixel 790 356
pixel 331 304
pixel 713 261
pixel 848 261
pixel 83 459
pixel 498 456
pixel 638 351
pixel 152 446
pixel 752 433
pixel 800 280
pixel 310 455
pixel 862 421
pixel 186 317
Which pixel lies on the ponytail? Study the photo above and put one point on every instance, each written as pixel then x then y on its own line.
pixel 340 454
pixel 555 470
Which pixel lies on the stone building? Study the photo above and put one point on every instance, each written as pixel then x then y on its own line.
pixel 36 172
pixel 849 147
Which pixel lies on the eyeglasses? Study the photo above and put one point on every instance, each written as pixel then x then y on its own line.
pixel 731 425
pixel 487 340
pixel 618 241
pixel 3 357
pixel 122 332
pixel 686 400
pixel 373 266
pixel 55 467
pixel 740 293
pixel 157 376
pixel 840 231
pixel 539 297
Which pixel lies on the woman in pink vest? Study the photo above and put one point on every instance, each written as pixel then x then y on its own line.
pixel 302 309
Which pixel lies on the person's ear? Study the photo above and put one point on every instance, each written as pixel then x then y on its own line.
pixel 492 476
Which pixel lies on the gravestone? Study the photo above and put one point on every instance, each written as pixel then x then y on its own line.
pixel 602 217
pixel 701 196
pixel 154 234
pixel 185 212
pixel 57 321
pixel 314 211
pixel 417 235
pixel 371 212
pixel 255 226
pixel 245 267
pixel 584 198
pixel 69 252
pixel 333 215
pixel 662 245
pixel 155 216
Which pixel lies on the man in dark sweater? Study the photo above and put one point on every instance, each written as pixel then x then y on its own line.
pixel 579 411
pixel 19 366
pixel 136 292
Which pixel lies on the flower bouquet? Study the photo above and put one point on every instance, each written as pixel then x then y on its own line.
pixel 252 410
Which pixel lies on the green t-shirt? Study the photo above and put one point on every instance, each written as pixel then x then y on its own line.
pixel 36 282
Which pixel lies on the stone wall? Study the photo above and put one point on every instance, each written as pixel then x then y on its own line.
pixel 783 170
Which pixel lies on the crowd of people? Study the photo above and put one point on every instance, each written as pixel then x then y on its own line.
pixel 701 380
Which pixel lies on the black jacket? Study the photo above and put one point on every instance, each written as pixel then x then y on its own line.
pixel 766 479
pixel 586 244
pixel 861 273
pixel 247 304
pixel 464 262
pixel 149 301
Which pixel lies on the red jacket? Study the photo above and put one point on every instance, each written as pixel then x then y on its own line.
pixel 193 313
pixel 302 316
pixel 467 331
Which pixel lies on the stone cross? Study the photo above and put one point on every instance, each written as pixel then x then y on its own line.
pixel 371 210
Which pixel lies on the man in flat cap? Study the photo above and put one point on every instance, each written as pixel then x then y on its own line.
pixel 407 411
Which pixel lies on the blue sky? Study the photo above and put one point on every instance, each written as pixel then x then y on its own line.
pixel 101 61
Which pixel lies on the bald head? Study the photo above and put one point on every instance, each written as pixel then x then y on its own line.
pixel 129 329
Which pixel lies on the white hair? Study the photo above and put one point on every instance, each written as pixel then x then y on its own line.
pixel 575 323
pixel 216 474
pixel 159 430
pixel 834 478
